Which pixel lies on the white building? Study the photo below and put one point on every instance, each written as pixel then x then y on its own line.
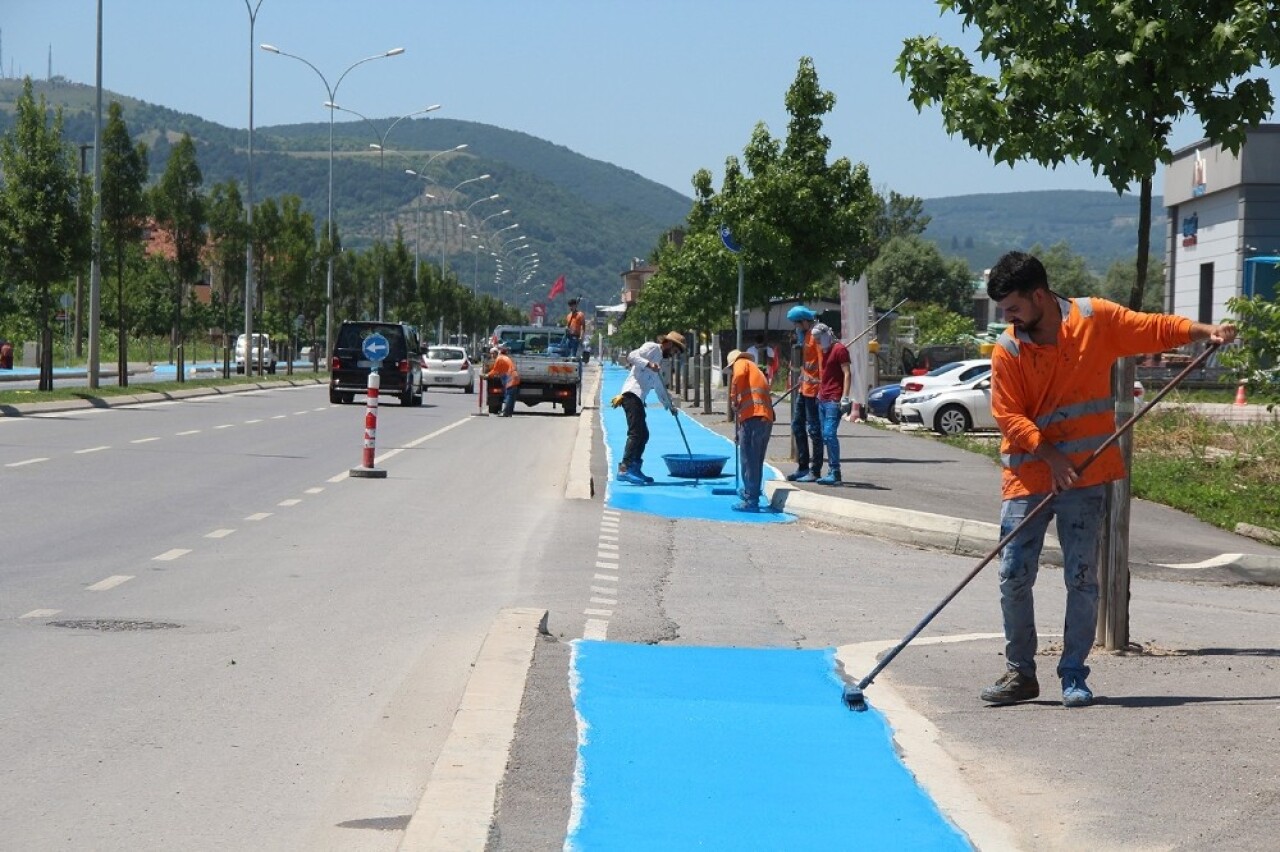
pixel 1223 233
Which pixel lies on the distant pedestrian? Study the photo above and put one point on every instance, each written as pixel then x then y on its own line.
pixel 806 428
pixel 1051 396
pixel 646 375
pixel 833 397
pixel 765 356
pixel 504 371
pixel 575 324
pixel 753 407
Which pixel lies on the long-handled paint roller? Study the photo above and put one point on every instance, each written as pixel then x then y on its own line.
pixel 737 469
pixel 853 697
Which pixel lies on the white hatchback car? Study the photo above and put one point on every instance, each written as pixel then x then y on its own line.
pixel 447 366
pixel 962 408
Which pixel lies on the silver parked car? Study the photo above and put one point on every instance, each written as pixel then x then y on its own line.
pixel 448 366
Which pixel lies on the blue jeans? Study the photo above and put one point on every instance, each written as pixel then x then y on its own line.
pixel 509 399
pixel 1080 514
pixel 753 442
pixel 806 430
pixel 829 415
pixel 571 346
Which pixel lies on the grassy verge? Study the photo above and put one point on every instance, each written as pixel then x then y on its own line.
pixel 1220 473
pixel 70 392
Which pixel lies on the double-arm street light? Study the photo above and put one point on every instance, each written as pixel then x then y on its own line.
pixel 448 197
pixel 331 105
pixel 381 147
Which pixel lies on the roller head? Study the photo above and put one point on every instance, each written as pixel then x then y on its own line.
pixel 854 700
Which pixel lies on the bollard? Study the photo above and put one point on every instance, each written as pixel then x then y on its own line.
pixel 366 469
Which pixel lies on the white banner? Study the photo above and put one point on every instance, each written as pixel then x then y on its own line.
pixel 855 316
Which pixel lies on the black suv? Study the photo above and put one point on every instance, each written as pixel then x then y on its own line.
pixel 401 371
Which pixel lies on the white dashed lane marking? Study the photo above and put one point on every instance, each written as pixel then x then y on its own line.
pixel 292 501
pixel 26 462
pixel 170 555
pixel 188 432
pixel 258 516
pixel 608 578
pixel 40 613
pixel 92 450
pixel 602 613
pixel 313 491
pixel 258 420
pixel 608 566
pixel 225 426
pixel 605 601
pixel 223 533
pixel 143 440
pixel 109 583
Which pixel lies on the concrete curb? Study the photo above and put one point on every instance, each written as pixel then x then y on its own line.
pixel 22 408
pixel 580 485
pixel 457 806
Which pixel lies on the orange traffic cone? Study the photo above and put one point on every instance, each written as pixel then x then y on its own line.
pixel 1240 400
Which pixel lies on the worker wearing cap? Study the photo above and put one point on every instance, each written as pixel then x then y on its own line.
pixel 575 324
pixel 504 371
pixel 753 407
pixel 833 397
pixel 806 426
pixel 646 375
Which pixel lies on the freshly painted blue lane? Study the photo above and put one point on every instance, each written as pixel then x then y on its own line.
pixel 735 748
pixel 671 497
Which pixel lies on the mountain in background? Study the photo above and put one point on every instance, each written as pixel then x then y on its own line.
pixel 586 218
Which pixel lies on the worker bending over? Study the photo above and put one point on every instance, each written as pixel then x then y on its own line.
pixel 753 407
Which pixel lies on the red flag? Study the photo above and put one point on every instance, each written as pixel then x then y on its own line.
pixel 556 288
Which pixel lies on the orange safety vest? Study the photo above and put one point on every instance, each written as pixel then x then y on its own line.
pixel 575 322
pixel 811 371
pixel 749 391
pixel 504 369
pixel 1061 392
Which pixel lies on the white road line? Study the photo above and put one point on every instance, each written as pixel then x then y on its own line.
pixel 604 590
pixel 188 432
pixel 279 416
pixel 258 516
pixel 390 454
pixel 608 566
pixel 300 413
pixel 109 583
pixel 608 578
pixel 604 613
pixel 337 478
pixel 25 462
pixel 604 554
pixel 92 450
pixel 605 601
pixel 313 491
pixel 222 533
pixel 40 613
pixel 292 501
pixel 605 525
pixel 596 628
pixel 225 426
pixel 258 420
pixel 604 538
pixel 143 440
pixel 321 408
pixel 170 555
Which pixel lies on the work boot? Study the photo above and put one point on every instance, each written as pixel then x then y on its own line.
pixel 746 506
pixel 792 477
pixel 805 477
pixel 1012 688
pixel 625 475
pixel 635 468
pixel 1075 692
pixel 832 478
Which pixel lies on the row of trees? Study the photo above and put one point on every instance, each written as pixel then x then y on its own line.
pixel 158 241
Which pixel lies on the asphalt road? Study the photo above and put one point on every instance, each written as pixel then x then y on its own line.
pixel 214 639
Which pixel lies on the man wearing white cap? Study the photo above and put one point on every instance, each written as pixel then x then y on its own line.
pixel 646 375
pixel 753 406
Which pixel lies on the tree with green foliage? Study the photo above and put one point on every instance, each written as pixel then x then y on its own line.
pixel 1256 358
pixel 1067 271
pixel 124 212
pixel 228 238
pixel 935 325
pixel 911 267
pixel 1117 284
pixel 898 216
pixel 179 207
pixel 44 227
pixel 294 263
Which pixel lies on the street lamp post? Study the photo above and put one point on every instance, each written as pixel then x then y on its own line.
pixel 331 105
pixel 448 198
pixel 248 213
pixel 417 246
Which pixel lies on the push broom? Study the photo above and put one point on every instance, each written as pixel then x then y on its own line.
pixel 853 697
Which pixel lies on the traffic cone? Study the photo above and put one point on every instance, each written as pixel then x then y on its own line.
pixel 1240 400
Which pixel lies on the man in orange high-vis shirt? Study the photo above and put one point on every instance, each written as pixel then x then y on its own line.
pixel 575 324
pixel 1051 396
pixel 504 371
pixel 806 426
pixel 753 406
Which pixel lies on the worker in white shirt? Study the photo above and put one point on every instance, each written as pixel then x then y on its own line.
pixel 646 375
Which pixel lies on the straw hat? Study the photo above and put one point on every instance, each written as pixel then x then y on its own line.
pixel 674 337
pixel 734 355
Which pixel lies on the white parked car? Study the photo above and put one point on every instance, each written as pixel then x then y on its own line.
pixel 448 366
pixel 956 409
pixel 954 373
pixel 262 353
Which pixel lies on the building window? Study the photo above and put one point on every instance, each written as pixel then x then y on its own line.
pixel 1206 293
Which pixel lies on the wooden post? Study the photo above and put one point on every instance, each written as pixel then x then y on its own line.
pixel 1112 630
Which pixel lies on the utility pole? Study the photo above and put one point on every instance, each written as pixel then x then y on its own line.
pixel 95 269
pixel 78 328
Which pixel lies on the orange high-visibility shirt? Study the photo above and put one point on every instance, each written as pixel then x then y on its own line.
pixel 1062 392
pixel 504 369
pixel 749 391
pixel 576 321
pixel 811 370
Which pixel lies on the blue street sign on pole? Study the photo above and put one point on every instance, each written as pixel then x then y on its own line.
pixel 726 237
pixel 375 347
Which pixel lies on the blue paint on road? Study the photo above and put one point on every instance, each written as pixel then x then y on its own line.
pixel 736 748
pixel 669 496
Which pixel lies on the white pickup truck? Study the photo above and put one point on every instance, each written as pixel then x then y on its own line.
pixel 547 374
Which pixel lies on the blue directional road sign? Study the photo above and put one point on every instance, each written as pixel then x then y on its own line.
pixel 375 347
pixel 726 237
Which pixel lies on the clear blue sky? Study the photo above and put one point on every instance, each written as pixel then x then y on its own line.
pixel 660 87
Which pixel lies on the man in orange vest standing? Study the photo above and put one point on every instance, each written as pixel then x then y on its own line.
pixel 1051 396
pixel 806 427
pixel 575 323
pixel 753 406
pixel 504 371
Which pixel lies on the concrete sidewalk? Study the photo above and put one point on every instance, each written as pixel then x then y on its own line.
pixel 913 489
